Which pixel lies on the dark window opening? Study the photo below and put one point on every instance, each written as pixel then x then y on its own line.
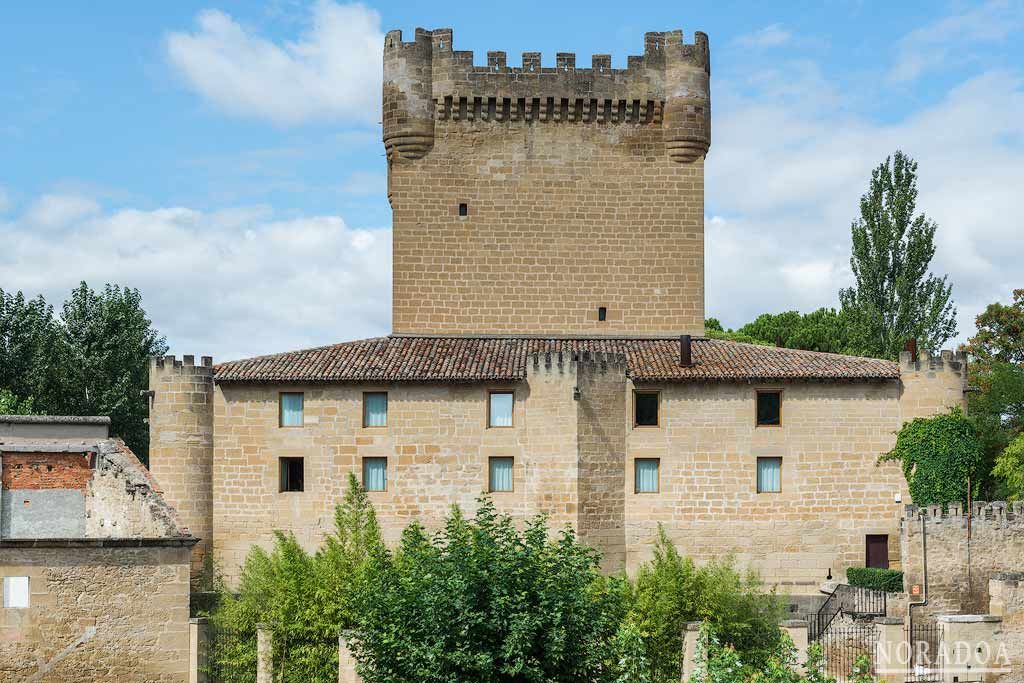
pixel 292 479
pixel 602 314
pixel 877 551
pixel 769 408
pixel 645 409
pixel 463 209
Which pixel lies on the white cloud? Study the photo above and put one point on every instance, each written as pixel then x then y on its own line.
pixel 231 283
pixel 951 38
pixel 786 172
pixel 773 35
pixel 58 210
pixel 331 72
pixel 5 200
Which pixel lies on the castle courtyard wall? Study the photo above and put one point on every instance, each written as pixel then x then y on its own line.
pixel 97 614
pixel 438 446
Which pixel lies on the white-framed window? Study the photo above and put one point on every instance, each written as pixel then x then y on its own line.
pixel 499 409
pixel 291 409
pixel 16 592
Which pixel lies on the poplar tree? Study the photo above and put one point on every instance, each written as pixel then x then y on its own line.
pixel 895 297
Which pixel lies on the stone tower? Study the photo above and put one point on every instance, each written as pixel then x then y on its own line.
pixel 532 200
pixel 181 443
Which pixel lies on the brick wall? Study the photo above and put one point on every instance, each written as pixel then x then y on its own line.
pixel 45 471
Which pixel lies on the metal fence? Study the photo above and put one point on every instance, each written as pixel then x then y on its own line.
pixel 306 659
pixel 925 665
pixel 846 645
pixel 849 600
pixel 230 656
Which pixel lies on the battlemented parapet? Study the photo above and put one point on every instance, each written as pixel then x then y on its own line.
pixel 932 383
pixel 547 200
pixel 427 80
pixel 181 442
pixel 964 551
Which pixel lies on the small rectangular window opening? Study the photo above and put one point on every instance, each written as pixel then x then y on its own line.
pixel 375 474
pixel 16 592
pixel 499 477
pixel 375 409
pixel 291 409
pixel 645 409
pixel 769 408
pixel 463 209
pixel 499 409
pixel 769 475
pixel 602 314
pixel 647 475
pixel 292 475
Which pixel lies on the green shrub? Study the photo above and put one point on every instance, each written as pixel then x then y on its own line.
pixel 671 590
pixel 484 601
pixel 887 580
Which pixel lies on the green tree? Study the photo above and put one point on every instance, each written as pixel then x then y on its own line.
pixel 939 455
pixel 671 591
pixel 894 297
pixel 12 405
pixel 1010 468
pixel 29 347
pixel 1000 336
pixel 484 601
pixel 826 330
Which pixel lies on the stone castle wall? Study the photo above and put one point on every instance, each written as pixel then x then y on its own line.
pixel 97 614
pixel 584 188
pixel 181 442
pixel 959 569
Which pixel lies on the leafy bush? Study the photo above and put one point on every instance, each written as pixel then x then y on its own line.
pixel 671 590
pixel 939 455
pixel 483 601
pixel 887 580
pixel 1010 468
pixel 304 598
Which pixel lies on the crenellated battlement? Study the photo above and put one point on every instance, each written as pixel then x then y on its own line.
pixel 187 361
pixel 562 361
pixel 427 81
pixel 946 361
pixel 997 513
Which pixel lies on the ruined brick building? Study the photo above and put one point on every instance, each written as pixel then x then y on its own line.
pixel 548 347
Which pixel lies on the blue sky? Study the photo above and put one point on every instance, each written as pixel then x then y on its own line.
pixel 225 157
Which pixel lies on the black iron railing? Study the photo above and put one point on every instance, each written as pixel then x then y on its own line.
pixel 845 599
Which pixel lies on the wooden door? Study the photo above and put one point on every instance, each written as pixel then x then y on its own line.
pixel 877 553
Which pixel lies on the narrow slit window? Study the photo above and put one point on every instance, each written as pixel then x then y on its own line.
pixel 375 474
pixel 602 314
pixel 499 409
pixel 769 475
pixel 16 592
pixel 375 409
pixel 292 475
pixel 500 475
pixel 291 410
pixel 648 475
pixel 769 408
pixel 463 209
pixel 645 409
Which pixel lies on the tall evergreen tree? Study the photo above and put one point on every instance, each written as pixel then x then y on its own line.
pixel 895 297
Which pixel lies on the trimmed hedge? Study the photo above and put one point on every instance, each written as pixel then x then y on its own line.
pixel 887 580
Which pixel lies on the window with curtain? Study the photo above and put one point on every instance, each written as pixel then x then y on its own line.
pixel 499 412
pixel 16 593
pixel 769 475
pixel 647 475
pixel 291 409
pixel 500 475
pixel 375 474
pixel 769 408
pixel 375 409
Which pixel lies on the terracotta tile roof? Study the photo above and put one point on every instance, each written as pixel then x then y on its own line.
pixel 458 359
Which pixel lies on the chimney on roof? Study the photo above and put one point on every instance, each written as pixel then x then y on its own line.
pixel 686 351
pixel 911 348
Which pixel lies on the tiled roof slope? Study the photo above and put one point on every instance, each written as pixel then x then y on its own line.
pixel 457 359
